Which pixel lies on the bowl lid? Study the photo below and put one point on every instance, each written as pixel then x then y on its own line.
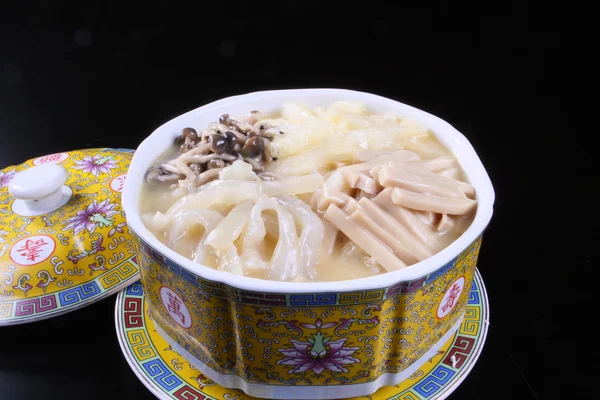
pixel 64 240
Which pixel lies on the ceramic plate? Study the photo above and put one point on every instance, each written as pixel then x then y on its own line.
pixel 166 374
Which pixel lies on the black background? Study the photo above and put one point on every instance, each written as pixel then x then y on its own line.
pixel 507 75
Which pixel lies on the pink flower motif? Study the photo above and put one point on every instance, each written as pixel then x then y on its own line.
pixel 6 177
pixel 96 164
pixel 96 214
pixel 318 354
pixel 319 324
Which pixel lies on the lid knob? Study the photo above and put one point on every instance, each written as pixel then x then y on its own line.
pixel 39 190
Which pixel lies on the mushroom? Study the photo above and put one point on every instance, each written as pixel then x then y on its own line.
pixel 253 117
pixel 217 146
pixel 224 119
pixel 234 137
pixel 218 143
pixel 189 133
pixel 190 138
pixel 243 126
pixel 253 148
pixel 157 173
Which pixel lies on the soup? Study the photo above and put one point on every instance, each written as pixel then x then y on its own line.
pixel 308 194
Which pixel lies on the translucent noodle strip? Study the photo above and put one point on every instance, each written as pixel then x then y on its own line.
pixel 230 228
pixel 223 195
pixel 311 236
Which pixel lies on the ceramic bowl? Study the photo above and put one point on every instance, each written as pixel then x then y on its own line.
pixel 306 340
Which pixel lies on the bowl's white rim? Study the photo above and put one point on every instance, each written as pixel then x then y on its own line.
pixel 452 138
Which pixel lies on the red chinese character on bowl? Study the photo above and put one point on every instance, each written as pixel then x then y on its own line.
pixel 451 297
pixel 32 250
pixel 176 307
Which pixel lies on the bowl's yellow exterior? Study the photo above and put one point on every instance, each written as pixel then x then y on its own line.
pixel 306 339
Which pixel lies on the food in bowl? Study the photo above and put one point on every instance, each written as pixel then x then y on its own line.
pixel 308 194
pixel 291 339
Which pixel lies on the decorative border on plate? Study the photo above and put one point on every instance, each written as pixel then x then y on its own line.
pixel 458 361
pixel 163 380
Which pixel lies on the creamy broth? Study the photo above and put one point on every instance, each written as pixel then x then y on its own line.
pixel 366 170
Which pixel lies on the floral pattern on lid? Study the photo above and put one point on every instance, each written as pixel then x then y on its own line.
pixel 6 177
pixel 77 254
pixel 96 165
pixel 96 214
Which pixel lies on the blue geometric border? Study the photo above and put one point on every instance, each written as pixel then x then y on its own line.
pixel 444 378
pixel 441 381
pixel 66 299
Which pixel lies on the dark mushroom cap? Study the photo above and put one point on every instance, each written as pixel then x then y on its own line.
pixel 217 147
pixel 189 133
pixel 232 139
pixel 224 119
pixel 253 147
pixel 157 173
pixel 218 143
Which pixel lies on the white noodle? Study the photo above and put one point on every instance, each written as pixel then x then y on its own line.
pixel 230 227
pixel 223 195
pixel 311 238
pixel 384 193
